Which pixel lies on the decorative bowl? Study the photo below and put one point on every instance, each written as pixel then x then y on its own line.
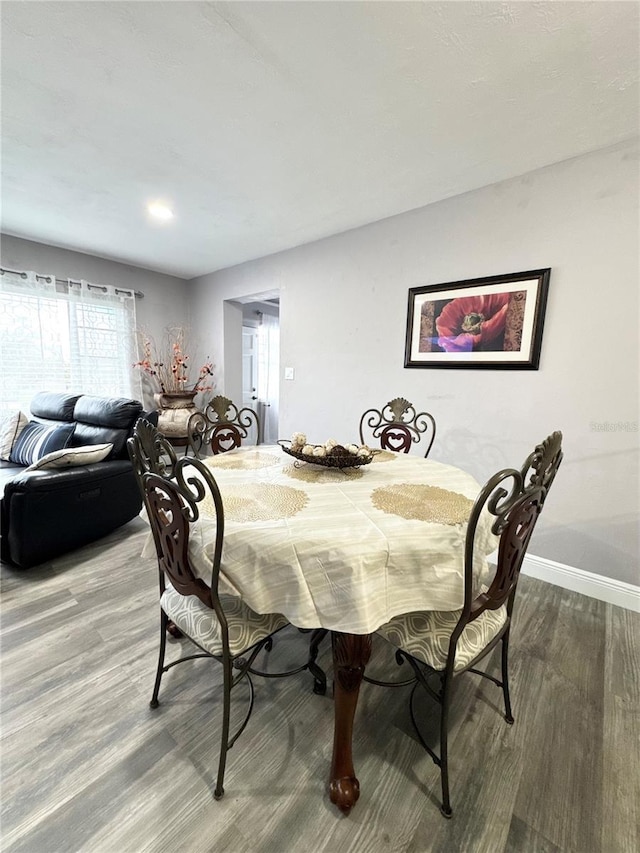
pixel 338 457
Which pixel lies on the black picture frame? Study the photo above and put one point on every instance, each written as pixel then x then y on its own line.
pixel 492 323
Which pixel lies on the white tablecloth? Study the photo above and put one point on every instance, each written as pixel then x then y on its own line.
pixel 340 550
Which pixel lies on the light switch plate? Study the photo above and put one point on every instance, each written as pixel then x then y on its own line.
pixel 289 373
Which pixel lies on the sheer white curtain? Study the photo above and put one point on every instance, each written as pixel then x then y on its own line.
pixel 269 374
pixel 60 335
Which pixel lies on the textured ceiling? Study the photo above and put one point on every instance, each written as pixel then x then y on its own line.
pixel 267 125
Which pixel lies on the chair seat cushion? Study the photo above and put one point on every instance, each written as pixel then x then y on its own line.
pixel 200 623
pixel 425 635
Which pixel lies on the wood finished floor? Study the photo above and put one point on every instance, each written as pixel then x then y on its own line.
pixel 88 766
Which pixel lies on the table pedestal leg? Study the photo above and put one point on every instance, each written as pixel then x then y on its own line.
pixel 351 653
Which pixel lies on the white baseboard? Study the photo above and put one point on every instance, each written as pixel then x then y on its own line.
pixel 616 592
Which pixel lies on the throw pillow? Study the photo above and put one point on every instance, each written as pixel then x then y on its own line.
pixel 36 440
pixel 9 431
pixel 70 457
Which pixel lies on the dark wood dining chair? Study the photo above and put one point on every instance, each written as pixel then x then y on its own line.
pixel 397 426
pixel 446 644
pixel 222 426
pixel 221 625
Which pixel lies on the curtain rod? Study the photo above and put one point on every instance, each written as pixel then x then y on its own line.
pixel 137 293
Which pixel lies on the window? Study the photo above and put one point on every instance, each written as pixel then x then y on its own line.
pixel 64 336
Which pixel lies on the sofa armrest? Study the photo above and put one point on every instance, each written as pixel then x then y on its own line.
pixel 48 512
pixel 50 479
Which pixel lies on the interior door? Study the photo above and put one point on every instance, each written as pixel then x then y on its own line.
pixel 249 367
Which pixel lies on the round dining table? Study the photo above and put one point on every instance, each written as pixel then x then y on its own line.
pixel 344 550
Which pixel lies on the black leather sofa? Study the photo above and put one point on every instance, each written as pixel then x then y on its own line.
pixel 49 512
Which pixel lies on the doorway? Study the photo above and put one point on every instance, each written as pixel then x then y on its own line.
pixel 261 364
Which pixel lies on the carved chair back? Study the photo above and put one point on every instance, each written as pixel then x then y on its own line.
pixel 515 510
pixel 222 426
pixel 171 503
pixel 173 507
pixel 397 426
pixel 169 519
pixel 150 452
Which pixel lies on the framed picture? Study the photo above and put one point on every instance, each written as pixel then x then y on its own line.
pixel 493 322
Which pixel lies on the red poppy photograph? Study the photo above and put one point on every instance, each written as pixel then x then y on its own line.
pixel 488 322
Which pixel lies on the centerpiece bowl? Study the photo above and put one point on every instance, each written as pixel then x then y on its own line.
pixel 337 457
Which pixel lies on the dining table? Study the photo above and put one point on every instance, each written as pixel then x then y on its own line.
pixel 344 549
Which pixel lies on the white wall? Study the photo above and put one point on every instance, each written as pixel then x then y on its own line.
pixel 164 299
pixel 343 318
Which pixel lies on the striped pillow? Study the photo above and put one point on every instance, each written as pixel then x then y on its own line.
pixel 36 440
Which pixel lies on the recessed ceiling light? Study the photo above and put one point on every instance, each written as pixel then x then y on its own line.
pixel 160 211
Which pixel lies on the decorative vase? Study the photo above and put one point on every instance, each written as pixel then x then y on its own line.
pixel 174 410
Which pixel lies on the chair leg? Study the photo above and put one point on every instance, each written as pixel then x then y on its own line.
pixel 445 808
pixel 173 630
pixel 226 716
pixel 163 644
pixel 505 678
pixel 319 677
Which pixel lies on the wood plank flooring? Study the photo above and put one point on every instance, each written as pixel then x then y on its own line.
pixel 88 766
